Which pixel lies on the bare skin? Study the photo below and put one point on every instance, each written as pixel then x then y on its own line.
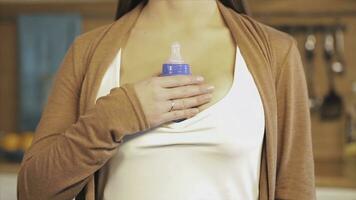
pixel 207 45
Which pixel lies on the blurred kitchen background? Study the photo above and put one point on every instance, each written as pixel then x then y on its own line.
pixel 35 34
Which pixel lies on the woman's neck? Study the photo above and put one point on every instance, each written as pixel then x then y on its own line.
pixel 181 14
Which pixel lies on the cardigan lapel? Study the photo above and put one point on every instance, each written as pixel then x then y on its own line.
pixel 254 51
pixel 104 52
pixel 101 53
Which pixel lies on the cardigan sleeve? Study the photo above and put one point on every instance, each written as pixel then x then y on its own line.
pixel 295 164
pixel 68 148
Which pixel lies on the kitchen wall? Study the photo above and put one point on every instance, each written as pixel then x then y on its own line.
pixel 327 135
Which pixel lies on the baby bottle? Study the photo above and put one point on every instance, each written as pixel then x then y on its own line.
pixel 175 65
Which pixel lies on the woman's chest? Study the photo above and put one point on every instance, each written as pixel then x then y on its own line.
pixel 238 114
pixel 211 55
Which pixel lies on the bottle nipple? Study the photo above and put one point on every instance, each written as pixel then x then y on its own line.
pixel 176 57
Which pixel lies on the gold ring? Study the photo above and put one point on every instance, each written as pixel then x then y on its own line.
pixel 172 105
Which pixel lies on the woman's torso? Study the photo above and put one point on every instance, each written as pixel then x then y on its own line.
pixel 215 154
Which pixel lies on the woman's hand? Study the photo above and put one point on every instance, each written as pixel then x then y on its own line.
pixel 157 93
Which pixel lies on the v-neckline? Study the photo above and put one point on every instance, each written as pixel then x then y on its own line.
pixel 203 113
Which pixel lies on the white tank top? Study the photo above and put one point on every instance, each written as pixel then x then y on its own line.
pixel 214 155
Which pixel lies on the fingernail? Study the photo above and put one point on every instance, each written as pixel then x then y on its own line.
pixel 200 78
pixel 210 88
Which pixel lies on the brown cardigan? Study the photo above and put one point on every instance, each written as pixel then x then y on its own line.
pixel 77 136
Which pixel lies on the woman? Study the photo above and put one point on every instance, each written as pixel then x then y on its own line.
pixel 107 131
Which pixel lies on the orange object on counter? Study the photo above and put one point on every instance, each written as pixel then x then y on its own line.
pixel 10 142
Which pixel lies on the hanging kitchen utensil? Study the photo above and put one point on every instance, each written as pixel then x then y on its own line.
pixel 309 47
pixel 332 105
pixel 349 128
pixel 338 65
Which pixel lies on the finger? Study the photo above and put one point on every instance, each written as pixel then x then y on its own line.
pixel 186 103
pixel 188 91
pixel 179 80
pixel 179 114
